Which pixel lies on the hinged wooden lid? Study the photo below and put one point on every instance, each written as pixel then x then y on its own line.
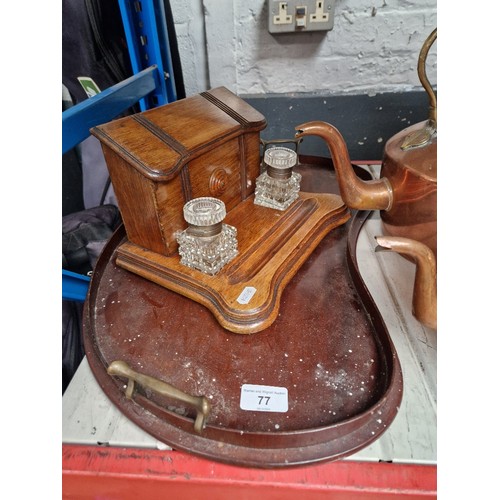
pixel 178 132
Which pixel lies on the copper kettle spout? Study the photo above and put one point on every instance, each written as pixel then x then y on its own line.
pixel 356 193
pixel 425 285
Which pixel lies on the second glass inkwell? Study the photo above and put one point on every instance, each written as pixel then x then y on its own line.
pixel 278 186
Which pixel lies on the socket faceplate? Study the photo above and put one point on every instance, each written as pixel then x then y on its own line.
pixel 294 16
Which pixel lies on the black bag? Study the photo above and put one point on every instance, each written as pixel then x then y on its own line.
pixel 84 235
pixel 93 45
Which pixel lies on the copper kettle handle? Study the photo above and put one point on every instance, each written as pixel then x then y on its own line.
pixel 422 75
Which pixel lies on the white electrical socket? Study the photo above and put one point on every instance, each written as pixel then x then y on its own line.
pixel 295 16
pixel 319 15
pixel 282 17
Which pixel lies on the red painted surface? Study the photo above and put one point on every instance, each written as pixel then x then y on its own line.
pixel 91 472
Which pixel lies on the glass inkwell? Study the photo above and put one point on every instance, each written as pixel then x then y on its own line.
pixel 207 244
pixel 278 186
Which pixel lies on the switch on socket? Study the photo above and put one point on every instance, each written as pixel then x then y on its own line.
pixel 295 16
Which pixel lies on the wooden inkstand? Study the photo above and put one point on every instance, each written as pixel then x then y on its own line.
pixel 208 145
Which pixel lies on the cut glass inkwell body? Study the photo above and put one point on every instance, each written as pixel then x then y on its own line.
pixel 278 186
pixel 207 244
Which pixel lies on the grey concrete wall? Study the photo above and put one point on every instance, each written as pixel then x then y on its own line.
pixel 373 48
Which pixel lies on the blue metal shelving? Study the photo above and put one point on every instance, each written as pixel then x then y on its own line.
pixel 152 84
pixel 146 32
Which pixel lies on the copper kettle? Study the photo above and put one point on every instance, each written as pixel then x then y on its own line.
pixel 406 192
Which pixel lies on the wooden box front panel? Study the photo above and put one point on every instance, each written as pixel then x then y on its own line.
pixel 224 172
pixel 227 172
pixel 218 173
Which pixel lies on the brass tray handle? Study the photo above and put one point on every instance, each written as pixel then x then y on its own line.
pixel 200 403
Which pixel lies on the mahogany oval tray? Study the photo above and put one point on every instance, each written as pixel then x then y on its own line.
pixel 329 348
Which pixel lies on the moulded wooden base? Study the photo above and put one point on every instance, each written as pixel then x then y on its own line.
pixel 272 246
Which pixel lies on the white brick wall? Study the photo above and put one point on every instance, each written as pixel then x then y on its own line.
pixel 372 48
pixel 189 27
